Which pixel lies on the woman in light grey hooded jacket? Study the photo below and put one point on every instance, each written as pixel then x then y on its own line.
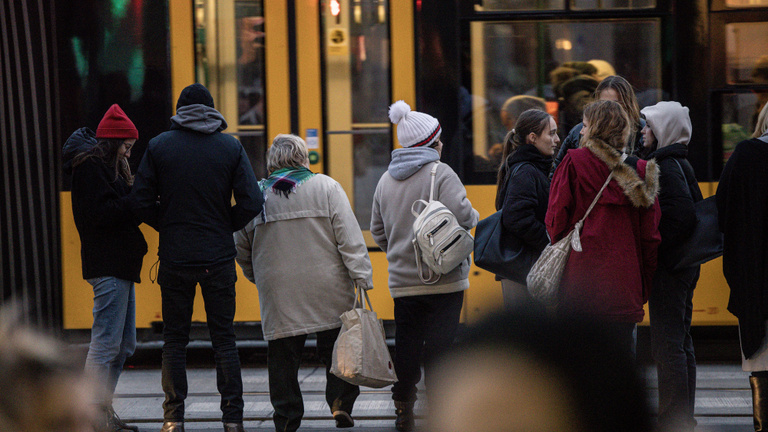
pixel 666 136
pixel 426 316
pixel 305 253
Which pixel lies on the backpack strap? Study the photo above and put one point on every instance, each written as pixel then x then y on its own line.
pixel 432 181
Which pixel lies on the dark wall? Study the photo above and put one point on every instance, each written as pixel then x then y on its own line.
pixel 62 64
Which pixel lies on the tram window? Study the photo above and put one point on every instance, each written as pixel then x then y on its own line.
pixel 746 58
pixel 549 60
pixel 509 5
pixel 739 117
pixel 745 3
pixel 371 158
pixel 613 4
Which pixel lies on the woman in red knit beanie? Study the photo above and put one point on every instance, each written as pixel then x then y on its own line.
pixel 112 249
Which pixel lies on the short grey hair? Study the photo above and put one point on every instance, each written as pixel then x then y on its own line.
pixel 287 151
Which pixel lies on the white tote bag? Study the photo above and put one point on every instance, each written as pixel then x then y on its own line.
pixel 543 280
pixel 360 354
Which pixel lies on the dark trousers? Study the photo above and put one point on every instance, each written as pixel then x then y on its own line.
pixel 283 362
pixel 670 306
pixel 425 327
pixel 177 285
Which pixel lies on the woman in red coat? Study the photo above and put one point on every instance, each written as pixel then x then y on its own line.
pixel 611 278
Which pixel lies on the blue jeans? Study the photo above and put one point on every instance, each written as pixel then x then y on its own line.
pixel 113 336
pixel 177 286
pixel 670 306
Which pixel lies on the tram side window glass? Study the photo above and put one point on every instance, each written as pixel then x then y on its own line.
pixel 746 56
pixel 613 4
pixel 507 5
pixel 746 3
pixel 739 118
pixel 554 66
pixel 226 34
pixel 357 96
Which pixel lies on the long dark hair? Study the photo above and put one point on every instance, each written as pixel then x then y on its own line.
pixel 106 150
pixel 532 120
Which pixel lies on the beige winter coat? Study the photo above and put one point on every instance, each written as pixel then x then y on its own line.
pixel 305 259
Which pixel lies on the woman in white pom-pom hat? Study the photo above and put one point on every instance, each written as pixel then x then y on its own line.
pixel 426 316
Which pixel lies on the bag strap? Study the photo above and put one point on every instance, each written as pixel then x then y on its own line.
pixel 580 223
pixel 432 182
pixel 429 280
pixel 361 297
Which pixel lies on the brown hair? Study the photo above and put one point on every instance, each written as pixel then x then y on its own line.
pixel 530 121
pixel 106 150
pixel 626 93
pixel 607 122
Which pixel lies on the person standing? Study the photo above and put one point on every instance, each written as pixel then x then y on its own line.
pixel 426 316
pixel 610 279
pixel 308 218
pixel 666 135
pixel 112 246
pixel 742 205
pixel 184 188
pixel 617 89
pixel 522 193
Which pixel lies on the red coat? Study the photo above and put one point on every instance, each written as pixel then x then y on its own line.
pixel 612 277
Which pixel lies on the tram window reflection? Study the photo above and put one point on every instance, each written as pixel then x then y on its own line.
pixel 746 59
pixel 739 117
pixel 559 62
pixel 746 3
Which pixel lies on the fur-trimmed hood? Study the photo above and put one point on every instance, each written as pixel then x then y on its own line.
pixel 641 192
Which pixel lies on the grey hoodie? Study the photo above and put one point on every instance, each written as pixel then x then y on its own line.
pixel 407 180
pixel 200 118
pixel 669 122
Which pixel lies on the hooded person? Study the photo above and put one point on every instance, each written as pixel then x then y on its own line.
pixel 666 136
pixel 112 247
pixel 426 316
pixel 184 189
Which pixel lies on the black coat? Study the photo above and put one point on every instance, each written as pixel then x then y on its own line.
pixel 111 242
pixel 194 176
pixel 742 204
pixel 677 195
pixel 526 195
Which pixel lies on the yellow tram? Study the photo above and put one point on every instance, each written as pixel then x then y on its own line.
pixel 327 70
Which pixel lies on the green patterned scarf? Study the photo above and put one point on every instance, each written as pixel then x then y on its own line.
pixel 286 180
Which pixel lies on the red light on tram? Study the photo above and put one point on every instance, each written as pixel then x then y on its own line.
pixel 335 8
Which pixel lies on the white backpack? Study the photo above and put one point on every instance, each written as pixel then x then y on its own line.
pixel 439 241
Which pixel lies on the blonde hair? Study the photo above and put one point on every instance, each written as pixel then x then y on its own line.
pixel 287 151
pixel 762 122
pixel 607 122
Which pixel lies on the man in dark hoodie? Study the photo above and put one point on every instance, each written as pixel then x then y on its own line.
pixel 183 189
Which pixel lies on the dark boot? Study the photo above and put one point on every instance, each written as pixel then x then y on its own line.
pixel 405 420
pixel 114 423
pixel 171 426
pixel 233 427
pixel 759 402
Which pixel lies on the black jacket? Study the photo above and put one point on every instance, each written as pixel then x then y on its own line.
pixel 111 242
pixel 184 189
pixel 526 195
pixel 742 205
pixel 574 136
pixel 677 195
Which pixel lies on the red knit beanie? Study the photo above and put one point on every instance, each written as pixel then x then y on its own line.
pixel 116 124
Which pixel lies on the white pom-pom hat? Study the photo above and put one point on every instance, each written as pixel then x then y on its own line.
pixel 414 129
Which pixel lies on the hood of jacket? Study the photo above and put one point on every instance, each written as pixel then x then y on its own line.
pixel 199 118
pixel 641 192
pixel 81 140
pixel 669 122
pixel 407 161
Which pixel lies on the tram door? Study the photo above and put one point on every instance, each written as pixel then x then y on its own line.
pixel 321 69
